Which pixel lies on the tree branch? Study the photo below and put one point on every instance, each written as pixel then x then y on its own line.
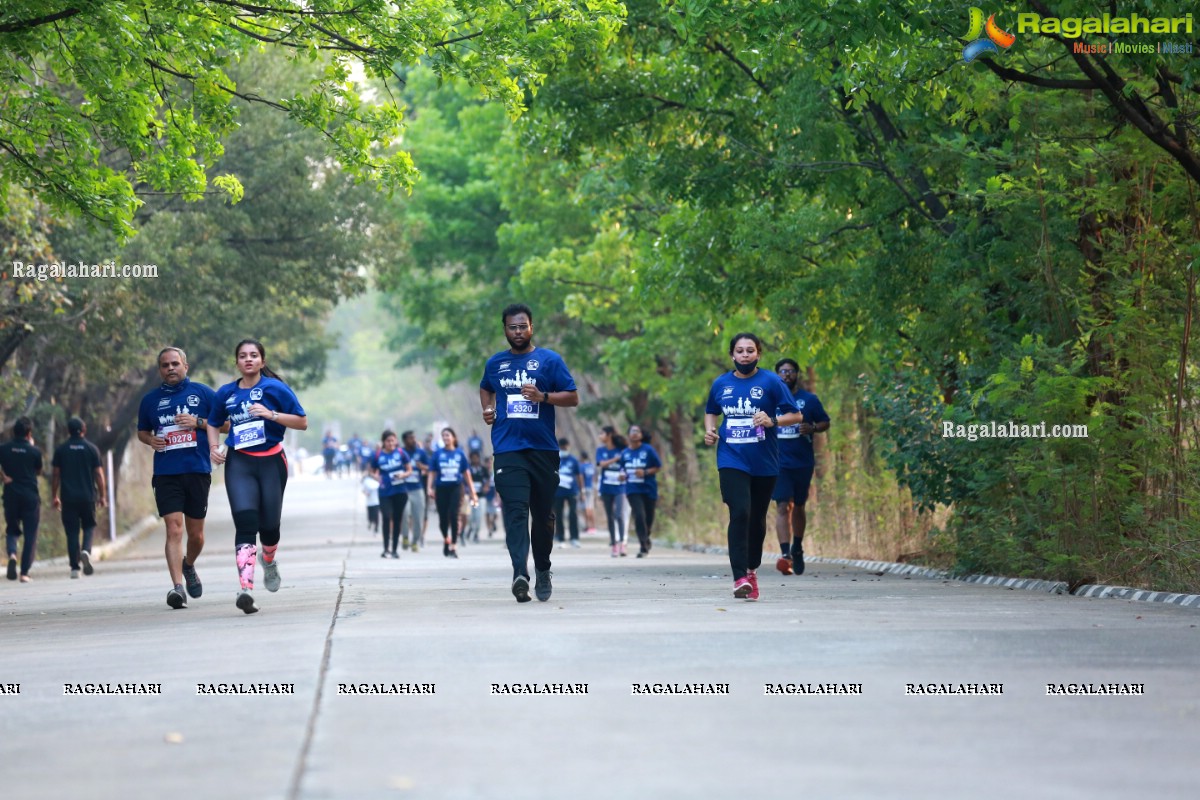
pixel 26 24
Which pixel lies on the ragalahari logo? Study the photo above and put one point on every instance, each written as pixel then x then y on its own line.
pixel 985 37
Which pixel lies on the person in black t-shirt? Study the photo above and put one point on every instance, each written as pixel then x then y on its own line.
pixel 20 464
pixel 77 484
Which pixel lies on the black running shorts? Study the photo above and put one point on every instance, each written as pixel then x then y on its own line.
pixel 187 493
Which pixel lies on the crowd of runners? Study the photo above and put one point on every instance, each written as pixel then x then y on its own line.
pixel 761 422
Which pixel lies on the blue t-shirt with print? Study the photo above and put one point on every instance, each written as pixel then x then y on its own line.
pixel 742 445
pixel 185 453
pixel 795 450
pixel 633 459
pixel 610 476
pixel 568 469
pixel 247 433
pixel 449 466
pixel 416 481
pixel 391 467
pixel 524 424
pixel 589 474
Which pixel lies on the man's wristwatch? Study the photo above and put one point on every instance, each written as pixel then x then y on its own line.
pixel 545 397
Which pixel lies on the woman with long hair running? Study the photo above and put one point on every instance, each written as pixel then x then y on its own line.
pixel 612 488
pixel 391 467
pixel 447 475
pixel 641 464
pixel 259 407
pixel 754 402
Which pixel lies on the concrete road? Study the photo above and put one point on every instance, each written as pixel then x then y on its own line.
pixel 344 616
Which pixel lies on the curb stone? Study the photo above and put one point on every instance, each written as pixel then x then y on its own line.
pixel 1027 584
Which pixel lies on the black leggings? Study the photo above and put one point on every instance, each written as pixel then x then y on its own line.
pixel 749 499
pixel 642 507
pixel 255 487
pixel 392 509
pixel 449 498
pixel 616 520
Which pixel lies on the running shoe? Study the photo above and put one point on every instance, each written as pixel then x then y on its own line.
pixel 453 554
pixel 194 587
pixel 641 554
pixel 623 553
pixel 798 561
pixel 414 547
pixel 384 554
pixel 753 578
pixel 74 574
pixel 12 567
pixel 404 543
pixel 520 589
pixel 784 565
pixel 542 586
pixel 575 543
pixel 271 576
pixel 742 588
pixel 395 554
pixel 246 602
pixel 176 598
pixel 615 550
pixel 86 558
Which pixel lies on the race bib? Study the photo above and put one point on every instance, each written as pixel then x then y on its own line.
pixel 395 477
pixel 789 432
pixel 518 407
pixel 741 430
pixel 248 434
pixel 565 481
pixel 631 475
pixel 447 477
pixel 177 438
pixel 611 478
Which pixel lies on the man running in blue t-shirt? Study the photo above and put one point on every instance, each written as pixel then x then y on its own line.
pixel 796 464
pixel 518 392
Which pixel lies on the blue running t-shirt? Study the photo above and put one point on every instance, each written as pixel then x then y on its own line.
pixel 743 445
pixel 524 424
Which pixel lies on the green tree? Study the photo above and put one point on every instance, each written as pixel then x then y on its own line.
pixel 106 102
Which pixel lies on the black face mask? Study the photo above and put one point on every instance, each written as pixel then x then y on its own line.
pixel 746 369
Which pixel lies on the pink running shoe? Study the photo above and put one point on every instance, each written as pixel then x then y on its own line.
pixel 753 579
pixel 742 588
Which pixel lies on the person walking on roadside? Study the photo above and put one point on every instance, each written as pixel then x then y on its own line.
pixel 259 408
pixel 518 393
pixel 796 464
pixel 612 486
pixel 412 527
pixel 171 422
pixel 448 474
pixel 754 403
pixel 566 497
pixel 20 465
pixel 640 463
pixel 392 469
pixel 76 486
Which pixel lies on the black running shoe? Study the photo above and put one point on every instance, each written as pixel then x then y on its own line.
pixel 520 589
pixel 194 587
pixel 542 586
pixel 86 558
pixel 12 568
pixel 798 561
pixel 176 598
pixel 245 602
